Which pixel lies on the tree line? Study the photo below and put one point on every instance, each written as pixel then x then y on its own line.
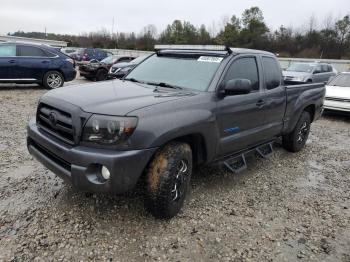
pixel 331 40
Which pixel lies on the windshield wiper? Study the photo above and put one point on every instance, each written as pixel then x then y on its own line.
pixel 133 80
pixel 162 84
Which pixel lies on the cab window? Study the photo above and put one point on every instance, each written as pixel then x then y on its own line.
pixel 244 68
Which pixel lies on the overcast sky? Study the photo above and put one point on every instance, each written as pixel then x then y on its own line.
pixel 77 16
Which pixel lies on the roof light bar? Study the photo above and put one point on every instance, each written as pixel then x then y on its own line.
pixel 193 47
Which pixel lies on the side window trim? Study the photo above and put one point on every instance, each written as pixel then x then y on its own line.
pixel 236 58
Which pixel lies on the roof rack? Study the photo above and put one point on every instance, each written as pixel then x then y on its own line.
pixel 193 47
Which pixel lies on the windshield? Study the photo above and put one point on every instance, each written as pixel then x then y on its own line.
pixel 193 72
pixel 299 67
pixel 108 60
pixel 341 80
pixel 139 59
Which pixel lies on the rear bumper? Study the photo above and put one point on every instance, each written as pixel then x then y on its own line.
pixel 81 166
pixel 69 75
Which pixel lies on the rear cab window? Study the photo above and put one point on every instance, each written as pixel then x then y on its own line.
pixel 272 73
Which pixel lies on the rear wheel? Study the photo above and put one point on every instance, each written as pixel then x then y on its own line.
pixel 168 179
pixel 101 75
pixel 53 80
pixel 296 140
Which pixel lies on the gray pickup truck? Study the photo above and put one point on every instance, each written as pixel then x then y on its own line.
pixel 182 107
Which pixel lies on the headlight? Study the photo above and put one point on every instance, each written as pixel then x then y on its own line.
pixel 108 129
pixel 299 79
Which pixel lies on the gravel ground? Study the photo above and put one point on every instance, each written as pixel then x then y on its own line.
pixel 290 207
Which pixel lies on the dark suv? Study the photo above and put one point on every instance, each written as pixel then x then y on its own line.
pixel 29 63
pixel 99 70
pixel 88 54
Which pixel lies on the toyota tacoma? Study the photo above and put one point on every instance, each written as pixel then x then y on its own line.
pixel 181 107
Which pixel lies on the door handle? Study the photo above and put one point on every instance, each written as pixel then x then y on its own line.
pixel 12 61
pixel 260 103
pixel 45 62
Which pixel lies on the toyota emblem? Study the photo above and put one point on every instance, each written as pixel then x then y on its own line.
pixel 53 118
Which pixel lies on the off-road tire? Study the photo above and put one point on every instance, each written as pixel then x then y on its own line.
pixel 101 75
pixel 48 80
pixel 168 180
pixel 296 140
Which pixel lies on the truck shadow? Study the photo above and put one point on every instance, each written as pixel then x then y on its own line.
pixel 336 116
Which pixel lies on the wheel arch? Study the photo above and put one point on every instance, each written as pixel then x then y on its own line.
pixel 311 109
pixel 197 143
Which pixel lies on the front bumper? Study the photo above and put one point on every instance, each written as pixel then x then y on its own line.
pixel 87 73
pixel 80 165
pixel 337 105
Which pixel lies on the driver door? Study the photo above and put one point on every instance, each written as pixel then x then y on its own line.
pixel 241 117
pixel 318 75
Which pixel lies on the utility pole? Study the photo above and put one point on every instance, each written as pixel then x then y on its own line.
pixel 115 42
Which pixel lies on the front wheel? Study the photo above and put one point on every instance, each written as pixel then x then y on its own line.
pixel 296 140
pixel 168 179
pixel 101 75
pixel 53 80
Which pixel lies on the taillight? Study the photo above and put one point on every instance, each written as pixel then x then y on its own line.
pixel 70 61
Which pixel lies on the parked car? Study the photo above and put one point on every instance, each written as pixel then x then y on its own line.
pixel 98 71
pixel 30 63
pixel 119 70
pixel 68 51
pixel 309 72
pixel 184 106
pixel 87 54
pixel 338 93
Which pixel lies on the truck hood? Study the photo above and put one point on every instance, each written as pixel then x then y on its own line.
pixel 113 97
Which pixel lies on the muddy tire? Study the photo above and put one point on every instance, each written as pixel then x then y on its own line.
pixel 295 141
pixel 53 80
pixel 168 180
pixel 101 75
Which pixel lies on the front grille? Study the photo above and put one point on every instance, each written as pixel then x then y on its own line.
pixel 59 161
pixel 114 69
pixel 56 122
pixel 338 99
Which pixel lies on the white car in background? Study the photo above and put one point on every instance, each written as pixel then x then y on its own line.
pixel 338 93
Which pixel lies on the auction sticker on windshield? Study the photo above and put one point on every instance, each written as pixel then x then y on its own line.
pixel 210 59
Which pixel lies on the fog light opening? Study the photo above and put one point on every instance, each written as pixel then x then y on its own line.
pixel 105 173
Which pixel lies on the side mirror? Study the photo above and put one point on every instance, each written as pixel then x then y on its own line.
pixel 316 72
pixel 237 87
